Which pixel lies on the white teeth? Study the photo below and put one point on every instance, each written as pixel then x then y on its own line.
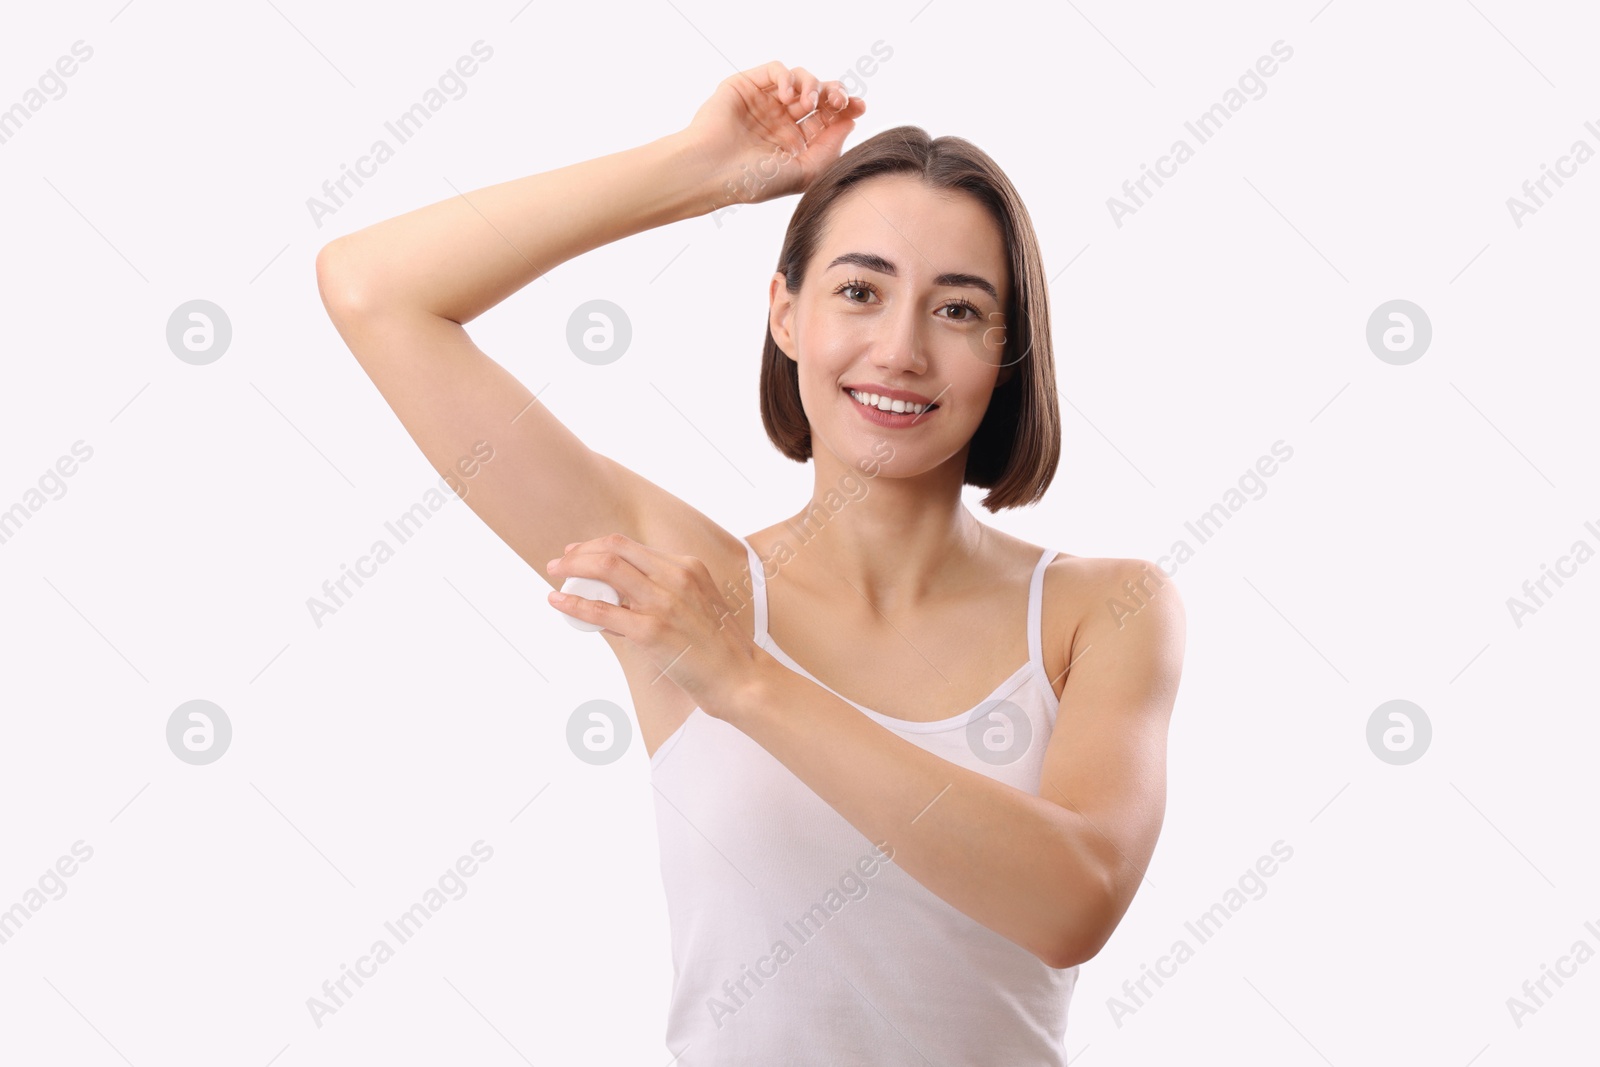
pixel 883 403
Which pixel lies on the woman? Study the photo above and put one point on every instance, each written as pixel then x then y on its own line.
pixel 918 876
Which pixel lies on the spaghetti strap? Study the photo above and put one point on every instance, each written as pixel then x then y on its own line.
pixel 758 589
pixel 1036 619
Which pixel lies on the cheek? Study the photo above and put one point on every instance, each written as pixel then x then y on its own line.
pixel 828 346
pixel 985 346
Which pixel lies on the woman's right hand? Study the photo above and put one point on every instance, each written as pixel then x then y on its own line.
pixel 768 131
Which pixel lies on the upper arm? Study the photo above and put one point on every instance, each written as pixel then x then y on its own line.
pixel 523 472
pixel 1107 755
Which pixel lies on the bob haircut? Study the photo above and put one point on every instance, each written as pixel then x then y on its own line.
pixel 1015 449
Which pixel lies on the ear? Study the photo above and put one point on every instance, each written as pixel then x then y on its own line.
pixel 780 313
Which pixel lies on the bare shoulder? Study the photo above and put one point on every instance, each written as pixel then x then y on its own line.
pixel 1121 587
pixel 1093 597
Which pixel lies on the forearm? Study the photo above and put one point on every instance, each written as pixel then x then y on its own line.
pixel 1025 867
pixel 463 255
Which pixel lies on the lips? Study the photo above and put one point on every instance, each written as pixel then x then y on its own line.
pixel 891 420
pixel 892 394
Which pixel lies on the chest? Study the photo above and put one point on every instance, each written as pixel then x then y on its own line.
pixel 917 667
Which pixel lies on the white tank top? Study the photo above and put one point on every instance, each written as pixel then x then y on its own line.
pixel 794 940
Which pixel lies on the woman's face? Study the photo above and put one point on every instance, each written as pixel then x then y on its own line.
pixel 905 291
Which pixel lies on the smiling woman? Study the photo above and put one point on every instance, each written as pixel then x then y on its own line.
pixel 955 200
pixel 914 697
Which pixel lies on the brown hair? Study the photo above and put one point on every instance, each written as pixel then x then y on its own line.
pixel 1015 449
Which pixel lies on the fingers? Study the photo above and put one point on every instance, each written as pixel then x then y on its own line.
pixel 805 85
pixel 810 94
pixel 770 77
pixel 834 97
pixel 826 128
pixel 828 114
pixel 600 614
pixel 790 86
pixel 800 89
pixel 631 568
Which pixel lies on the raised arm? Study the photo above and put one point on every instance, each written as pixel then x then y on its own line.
pixel 399 292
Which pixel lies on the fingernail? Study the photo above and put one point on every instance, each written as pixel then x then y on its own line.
pixel 551 565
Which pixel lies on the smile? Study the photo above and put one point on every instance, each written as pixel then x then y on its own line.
pixel 885 404
pixel 887 412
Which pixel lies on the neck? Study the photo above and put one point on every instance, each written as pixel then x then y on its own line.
pixel 893 541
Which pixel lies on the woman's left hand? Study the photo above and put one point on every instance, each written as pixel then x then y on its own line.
pixel 670 609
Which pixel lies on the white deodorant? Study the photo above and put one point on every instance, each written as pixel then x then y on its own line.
pixel 589 589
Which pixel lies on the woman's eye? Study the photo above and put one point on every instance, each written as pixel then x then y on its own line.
pixel 968 312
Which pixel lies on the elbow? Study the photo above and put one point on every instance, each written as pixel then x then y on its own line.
pixel 339 284
pixel 1075 950
pixel 332 285
pixel 1081 945
pixel 1088 927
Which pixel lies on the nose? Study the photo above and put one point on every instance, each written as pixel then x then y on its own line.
pixel 900 346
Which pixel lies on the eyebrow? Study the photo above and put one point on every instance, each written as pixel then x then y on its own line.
pixel 877 263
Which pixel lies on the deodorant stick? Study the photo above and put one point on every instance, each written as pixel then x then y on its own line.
pixel 589 589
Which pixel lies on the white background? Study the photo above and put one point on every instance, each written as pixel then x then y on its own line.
pixel 1226 314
